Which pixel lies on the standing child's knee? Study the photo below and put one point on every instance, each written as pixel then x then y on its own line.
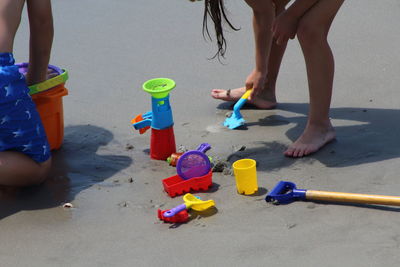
pixel 309 33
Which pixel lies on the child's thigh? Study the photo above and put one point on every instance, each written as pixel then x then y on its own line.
pixel 21 130
pixel 10 17
pixel 10 12
pixel 320 16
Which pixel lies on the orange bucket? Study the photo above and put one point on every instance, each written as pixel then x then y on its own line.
pixel 50 107
pixel 47 96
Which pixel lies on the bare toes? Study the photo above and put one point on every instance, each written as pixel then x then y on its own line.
pixel 216 93
pixel 296 153
pixel 289 152
pixel 301 153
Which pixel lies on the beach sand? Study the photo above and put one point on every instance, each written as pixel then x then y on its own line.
pixel 111 47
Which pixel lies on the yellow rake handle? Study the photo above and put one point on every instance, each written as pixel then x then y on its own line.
pixel 247 94
pixel 352 198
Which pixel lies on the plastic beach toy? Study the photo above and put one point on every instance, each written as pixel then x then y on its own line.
pixel 246 176
pixel 236 120
pixel 192 202
pixel 287 192
pixel 175 185
pixel 173 159
pixel 161 115
pixel 47 96
pixel 180 217
pixel 194 163
pixel 160 119
pixel 159 87
pixel 61 76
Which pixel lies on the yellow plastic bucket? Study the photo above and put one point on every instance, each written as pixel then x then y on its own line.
pixel 246 176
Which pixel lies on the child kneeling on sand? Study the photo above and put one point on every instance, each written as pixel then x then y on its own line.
pixel 25 157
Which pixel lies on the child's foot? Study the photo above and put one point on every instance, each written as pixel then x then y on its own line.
pixel 236 94
pixel 312 139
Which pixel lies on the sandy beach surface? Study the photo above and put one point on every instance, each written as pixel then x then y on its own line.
pixel 111 47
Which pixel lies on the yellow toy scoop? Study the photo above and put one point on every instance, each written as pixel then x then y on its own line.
pixel 192 202
pixel 196 203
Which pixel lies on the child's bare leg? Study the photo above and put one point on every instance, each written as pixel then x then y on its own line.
pixel 267 98
pixel 41 39
pixel 17 169
pixel 10 17
pixel 312 34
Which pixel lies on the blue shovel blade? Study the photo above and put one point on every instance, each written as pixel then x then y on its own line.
pixel 236 120
pixel 233 122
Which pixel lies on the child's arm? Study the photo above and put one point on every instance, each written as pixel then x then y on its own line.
pixel 285 25
pixel 263 15
pixel 41 39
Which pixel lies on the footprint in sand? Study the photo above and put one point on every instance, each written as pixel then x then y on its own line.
pixel 215 128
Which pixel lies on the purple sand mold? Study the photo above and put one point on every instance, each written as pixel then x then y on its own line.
pixel 23 68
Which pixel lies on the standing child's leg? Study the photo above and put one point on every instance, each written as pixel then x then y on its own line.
pixel 274 64
pixel 312 34
pixel 267 98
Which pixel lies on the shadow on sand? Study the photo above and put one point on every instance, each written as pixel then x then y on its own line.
pixel 368 135
pixel 76 166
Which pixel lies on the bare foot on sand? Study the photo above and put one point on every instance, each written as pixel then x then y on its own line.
pixel 312 139
pixel 266 101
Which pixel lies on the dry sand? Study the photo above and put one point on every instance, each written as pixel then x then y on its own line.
pixel 111 47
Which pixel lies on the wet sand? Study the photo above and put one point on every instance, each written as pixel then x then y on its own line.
pixel 103 168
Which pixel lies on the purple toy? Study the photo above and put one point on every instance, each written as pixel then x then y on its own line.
pixel 23 68
pixel 194 163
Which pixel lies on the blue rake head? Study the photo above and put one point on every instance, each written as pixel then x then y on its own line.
pixel 285 193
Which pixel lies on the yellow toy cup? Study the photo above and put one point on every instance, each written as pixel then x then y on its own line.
pixel 246 176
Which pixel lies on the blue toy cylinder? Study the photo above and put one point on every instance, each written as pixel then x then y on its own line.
pixel 162 113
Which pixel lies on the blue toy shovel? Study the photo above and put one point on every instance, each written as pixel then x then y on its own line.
pixel 236 120
pixel 286 192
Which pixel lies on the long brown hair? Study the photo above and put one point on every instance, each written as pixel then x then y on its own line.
pixel 215 9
